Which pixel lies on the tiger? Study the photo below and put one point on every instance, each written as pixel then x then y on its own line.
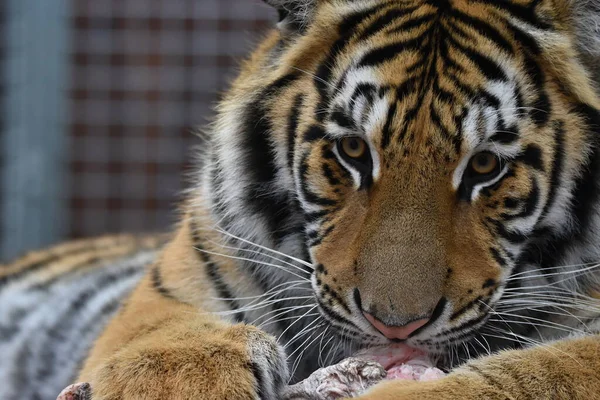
pixel 380 172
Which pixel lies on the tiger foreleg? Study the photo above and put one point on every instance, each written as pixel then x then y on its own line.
pixel 160 348
pixel 563 370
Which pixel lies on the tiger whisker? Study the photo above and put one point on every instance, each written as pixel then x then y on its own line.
pixel 546 310
pixel 548 299
pixel 293 323
pixel 534 324
pixel 301 346
pixel 564 293
pixel 224 232
pixel 489 348
pixel 542 302
pixel 320 359
pixel 253 261
pixel 264 324
pixel 543 321
pixel 299 357
pixel 281 311
pixel 259 253
pixel 541 345
pixel 258 306
pixel 290 285
pixel 561 268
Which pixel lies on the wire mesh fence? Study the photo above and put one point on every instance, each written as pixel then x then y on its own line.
pixel 142 74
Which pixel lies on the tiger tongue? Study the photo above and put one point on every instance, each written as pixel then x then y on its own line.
pixel 396 354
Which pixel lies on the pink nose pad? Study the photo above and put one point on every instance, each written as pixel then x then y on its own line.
pixel 396 332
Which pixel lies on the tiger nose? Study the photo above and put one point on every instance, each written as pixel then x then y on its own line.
pixel 396 332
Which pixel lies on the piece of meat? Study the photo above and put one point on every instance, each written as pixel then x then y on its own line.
pixel 77 391
pixel 353 376
pixel 403 362
pixel 349 378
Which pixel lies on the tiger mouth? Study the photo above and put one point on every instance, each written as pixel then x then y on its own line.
pixel 394 355
pixel 401 361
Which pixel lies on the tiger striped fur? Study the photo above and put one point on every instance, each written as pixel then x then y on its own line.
pixel 424 171
pixel 54 303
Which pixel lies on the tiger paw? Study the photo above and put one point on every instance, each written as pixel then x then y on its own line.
pixel 349 378
pixel 236 363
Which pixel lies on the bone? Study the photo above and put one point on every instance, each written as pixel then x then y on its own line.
pixel 77 391
pixel 349 378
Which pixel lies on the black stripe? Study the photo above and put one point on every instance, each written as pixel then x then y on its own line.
pixel 525 13
pixel 261 164
pixel 384 21
pixel 506 137
pixel 58 333
pixel 336 319
pixel 557 166
pixel 212 270
pixel 293 128
pixel 540 108
pixel 339 117
pixel 454 138
pixel 387 129
pixel 96 323
pixel 498 257
pixel 524 38
pixel 486 65
pixel 328 173
pixel 366 90
pixel 437 312
pixel 15 317
pixel 412 23
pixel 315 238
pixel 73 271
pixel 391 51
pixel 308 194
pixel 157 283
pixel 346 30
pixel 531 201
pixel 442 94
pixel 259 377
pixel 483 28
pixel 314 133
pixel 511 236
pixel 587 192
pixel 473 303
pixel 36 266
pixel 314 216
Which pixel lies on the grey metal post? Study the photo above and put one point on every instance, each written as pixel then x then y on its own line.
pixel 34 140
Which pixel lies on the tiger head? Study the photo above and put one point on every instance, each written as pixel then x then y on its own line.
pixel 434 148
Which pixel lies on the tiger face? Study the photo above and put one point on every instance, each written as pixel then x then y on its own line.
pixel 433 147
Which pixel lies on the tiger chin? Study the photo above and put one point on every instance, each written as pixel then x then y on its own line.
pixel 423 172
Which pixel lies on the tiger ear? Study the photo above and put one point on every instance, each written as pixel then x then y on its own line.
pixel 581 19
pixel 585 19
pixel 294 15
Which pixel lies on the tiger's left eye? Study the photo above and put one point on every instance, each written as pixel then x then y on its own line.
pixel 484 163
pixel 354 147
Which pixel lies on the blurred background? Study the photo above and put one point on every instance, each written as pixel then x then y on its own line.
pixel 98 99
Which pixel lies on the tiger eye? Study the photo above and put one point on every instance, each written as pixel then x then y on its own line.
pixel 484 163
pixel 354 147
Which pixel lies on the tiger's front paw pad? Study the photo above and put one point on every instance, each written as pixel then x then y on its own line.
pixel 78 391
pixel 349 378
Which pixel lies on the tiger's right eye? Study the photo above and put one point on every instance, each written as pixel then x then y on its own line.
pixel 484 163
pixel 354 147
